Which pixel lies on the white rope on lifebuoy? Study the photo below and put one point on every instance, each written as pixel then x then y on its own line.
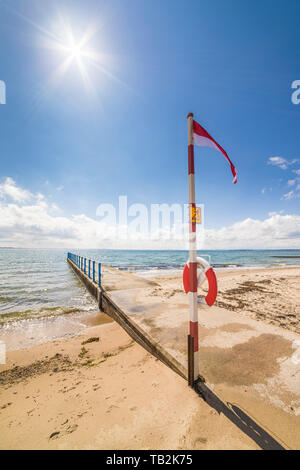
pixel 206 272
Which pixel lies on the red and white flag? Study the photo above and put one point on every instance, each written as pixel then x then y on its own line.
pixel 203 139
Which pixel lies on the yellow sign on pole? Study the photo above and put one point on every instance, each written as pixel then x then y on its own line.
pixel 196 217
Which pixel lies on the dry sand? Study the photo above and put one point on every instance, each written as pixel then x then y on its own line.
pixel 114 396
pixel 271 295
pixel 109 393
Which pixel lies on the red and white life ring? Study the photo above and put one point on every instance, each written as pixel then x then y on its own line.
pixel 205 272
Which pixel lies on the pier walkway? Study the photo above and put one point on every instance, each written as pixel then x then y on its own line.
pixel 251 369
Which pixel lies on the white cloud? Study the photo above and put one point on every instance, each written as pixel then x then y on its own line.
pixel 295 193
pixel 289 195
pixel 282 162
pixel 278 161
pixel 276 231
pixel 264 190
pixel 40 224
pixel 10 189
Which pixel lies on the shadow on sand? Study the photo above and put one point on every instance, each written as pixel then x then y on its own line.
pixel 238 417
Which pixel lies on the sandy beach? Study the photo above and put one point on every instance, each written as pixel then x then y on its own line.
pixel 101 390
pixel 114 396
pixel 270 294
pixel 149 227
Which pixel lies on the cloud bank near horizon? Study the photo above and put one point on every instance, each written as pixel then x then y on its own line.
pixel 28 220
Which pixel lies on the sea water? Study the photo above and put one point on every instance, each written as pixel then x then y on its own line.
pixel 41 297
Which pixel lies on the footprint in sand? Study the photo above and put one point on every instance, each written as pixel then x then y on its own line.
pixel 5 406
pixel 71 428
pixel 111 408
pixel 199 440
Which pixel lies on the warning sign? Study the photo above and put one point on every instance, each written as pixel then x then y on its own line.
pixel 196 216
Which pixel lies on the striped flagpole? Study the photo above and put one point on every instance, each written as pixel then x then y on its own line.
pixel 193 247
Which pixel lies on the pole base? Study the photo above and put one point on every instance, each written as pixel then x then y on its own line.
pixel 191 379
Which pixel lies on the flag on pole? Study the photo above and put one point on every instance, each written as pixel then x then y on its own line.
pixel 203 139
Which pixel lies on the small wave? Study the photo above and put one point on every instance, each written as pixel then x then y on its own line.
pixel 227 265
pixel 4 298
pixel 150 267
pixel 12 317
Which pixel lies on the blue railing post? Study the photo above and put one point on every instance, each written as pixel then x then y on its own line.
pixel 99 274
pixel 81 262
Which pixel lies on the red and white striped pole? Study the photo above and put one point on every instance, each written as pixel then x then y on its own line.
pixel 193 299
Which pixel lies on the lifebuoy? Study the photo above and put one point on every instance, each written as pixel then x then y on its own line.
pixel 206 272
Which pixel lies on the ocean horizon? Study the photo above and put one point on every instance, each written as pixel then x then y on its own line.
pixel 41 294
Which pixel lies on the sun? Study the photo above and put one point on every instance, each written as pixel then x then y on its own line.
pixel 73 51
pixel 75 45
pixel 76 51
pixel 78 48
pixel 72 48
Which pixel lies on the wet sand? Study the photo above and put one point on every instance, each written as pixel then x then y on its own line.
pixel 26 333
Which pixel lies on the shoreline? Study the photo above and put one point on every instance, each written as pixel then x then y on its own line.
pixel 98 389
pixel 27 333
pixel 68 325
pixel 177 271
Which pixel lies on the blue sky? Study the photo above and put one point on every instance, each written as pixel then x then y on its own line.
pixel 231 63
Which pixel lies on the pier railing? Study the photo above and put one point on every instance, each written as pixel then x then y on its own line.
pixel 88 266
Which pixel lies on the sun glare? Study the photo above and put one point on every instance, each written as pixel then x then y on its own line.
pixel 74 47
pixel 76 51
